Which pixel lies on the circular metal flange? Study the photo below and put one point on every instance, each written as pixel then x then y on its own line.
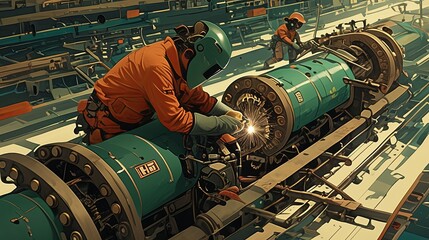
pixel 274 109
pixel 393 45
pixel 384 62
pixel 105 178
pixel 67 205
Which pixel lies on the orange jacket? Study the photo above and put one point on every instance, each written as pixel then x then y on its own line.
pixel 285 34
pixel 143 83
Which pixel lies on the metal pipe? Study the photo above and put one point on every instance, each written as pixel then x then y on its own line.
pixel 319 11
pixel 421 13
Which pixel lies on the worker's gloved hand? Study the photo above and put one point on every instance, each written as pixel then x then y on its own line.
pixel 219 109
pixel 215 125
pixel 239 116
pixel 306 45
pixel 296 46
pixel 235 114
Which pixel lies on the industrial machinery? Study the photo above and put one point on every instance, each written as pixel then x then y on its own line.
pixel 304 101
pixel 54 49
pixel 302 121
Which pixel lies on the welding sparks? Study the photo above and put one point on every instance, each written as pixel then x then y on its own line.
pixel 251 129
pixel 257 131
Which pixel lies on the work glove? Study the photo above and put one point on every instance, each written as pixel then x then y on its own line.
pixel 296 46
pixel 219 109
pixel 235 114
pixel 215 125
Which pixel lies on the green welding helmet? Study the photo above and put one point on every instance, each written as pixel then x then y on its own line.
pixel 212 53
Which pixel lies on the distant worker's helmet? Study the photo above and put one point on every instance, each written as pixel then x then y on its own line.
pixel 212 53
pixel 297 18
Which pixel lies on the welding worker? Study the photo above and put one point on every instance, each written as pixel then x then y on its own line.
pixel 286 34
pixel 164 77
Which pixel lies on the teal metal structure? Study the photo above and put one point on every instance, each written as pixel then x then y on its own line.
pixel 141 171
pixel 314 86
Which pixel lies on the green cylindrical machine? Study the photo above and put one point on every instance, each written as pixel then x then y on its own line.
pixel 314 87
pixel 106 190
pixel 26 215
pixel 287 99
pixel 111 185
pixel 284 100
pixel 44 206
pixel 150 168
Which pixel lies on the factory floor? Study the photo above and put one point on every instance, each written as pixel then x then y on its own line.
pixel 382 188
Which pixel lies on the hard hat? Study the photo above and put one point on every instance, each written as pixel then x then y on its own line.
pixel 294 21
pixel 298 16
pixel 212 53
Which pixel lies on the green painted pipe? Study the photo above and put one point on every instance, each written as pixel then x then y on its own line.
pixel 146 160
pixel 25 215
pixel 314 86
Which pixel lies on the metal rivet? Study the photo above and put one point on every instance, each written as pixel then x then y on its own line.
pixel 104 190
pixel 65 219
pixel 43 152
pixel 278 134
pixel 116 208
pixel 73 157
pixel 88 169
pixel 247 83
pixel 75 235
pixel 35 184
pixel 271 96
pixel 281 120
pixel 14 173
pixel 228 97
pixel 123 229
pixel 56 151
pixel 262 88
pixel 200 47
pixel 278 109
pixel 2 164
pixel 51 200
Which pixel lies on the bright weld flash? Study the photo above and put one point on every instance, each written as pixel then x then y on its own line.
pixel 250 129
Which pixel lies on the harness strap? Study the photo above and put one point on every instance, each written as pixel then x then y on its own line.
pixel 100 106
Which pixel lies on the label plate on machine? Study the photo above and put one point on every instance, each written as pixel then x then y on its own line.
pixel 299 97
pixel 146 169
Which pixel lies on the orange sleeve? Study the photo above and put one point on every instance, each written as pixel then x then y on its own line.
pixel 201 100
pixel 160 92
pixel 282 32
